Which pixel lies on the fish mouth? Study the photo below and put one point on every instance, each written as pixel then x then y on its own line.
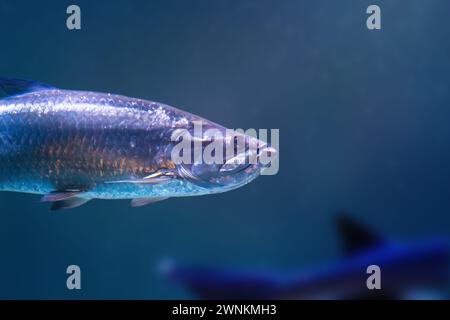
pixel 235 170
pixel 248 159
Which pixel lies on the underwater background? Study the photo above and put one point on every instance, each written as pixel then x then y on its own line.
pixel 363 118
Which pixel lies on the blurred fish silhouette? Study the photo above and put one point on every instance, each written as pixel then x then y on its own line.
pixel 408 271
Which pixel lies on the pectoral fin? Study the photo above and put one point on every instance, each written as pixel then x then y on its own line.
pixel 139 202
pixel 68 203
pixel 66 198
pixel 146 180
pixel 60 195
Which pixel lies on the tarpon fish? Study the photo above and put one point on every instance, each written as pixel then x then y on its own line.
pixel 74 146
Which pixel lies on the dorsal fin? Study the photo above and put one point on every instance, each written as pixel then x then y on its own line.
pixel 356 237
pixel 19 86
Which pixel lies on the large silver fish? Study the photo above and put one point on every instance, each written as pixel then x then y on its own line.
pixel 74 146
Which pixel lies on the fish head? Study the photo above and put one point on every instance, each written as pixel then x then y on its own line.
pixel 220 159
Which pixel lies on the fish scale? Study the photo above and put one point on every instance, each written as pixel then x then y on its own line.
pixel 67 131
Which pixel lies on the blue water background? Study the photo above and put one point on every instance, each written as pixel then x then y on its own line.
pixel 363 118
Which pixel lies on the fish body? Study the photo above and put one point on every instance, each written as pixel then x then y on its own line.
pixel 87 145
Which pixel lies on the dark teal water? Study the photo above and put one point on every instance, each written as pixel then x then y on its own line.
pixel 363 118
